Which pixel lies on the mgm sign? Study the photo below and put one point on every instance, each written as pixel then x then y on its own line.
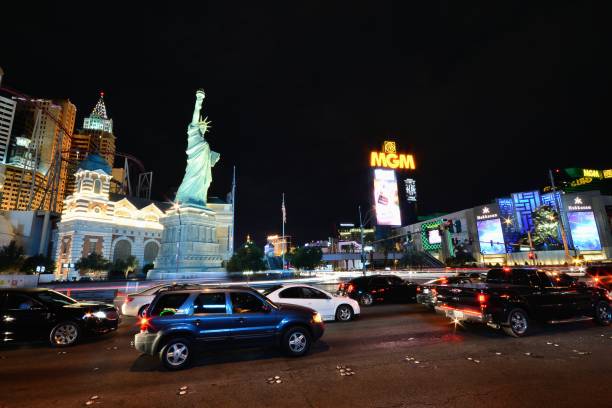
pixel 389 158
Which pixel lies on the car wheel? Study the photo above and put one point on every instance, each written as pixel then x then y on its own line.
pixel 176 354
pixel 296 341
pixel 366 299
pixel 603 313
pixel 518 323
pixel 142 310
pixel 65 334
pixel 344 313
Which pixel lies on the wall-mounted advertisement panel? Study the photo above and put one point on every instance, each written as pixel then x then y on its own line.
pixel 584 230
pixel 491 236
pixel 433 236
pixel 386 198
pixel 411 192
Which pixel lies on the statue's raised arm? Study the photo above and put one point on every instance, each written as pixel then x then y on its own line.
pixel 198 106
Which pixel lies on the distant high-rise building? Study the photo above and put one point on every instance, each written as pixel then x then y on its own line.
pixel 7 114
pixel 96 136
pixel 36 169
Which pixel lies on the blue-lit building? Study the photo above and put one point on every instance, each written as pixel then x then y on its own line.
pixel 522 227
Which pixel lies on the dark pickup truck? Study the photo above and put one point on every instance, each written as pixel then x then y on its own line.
pixel 512 298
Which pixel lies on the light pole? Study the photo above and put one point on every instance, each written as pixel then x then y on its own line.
pixel 177 207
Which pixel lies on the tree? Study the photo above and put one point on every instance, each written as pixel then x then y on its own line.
pixel 11 257
pixel 93 262
pixel 247 258
pixel 125 266
pixel 306 258
pixel 30 264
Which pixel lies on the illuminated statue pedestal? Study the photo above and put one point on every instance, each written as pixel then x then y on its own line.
pixel 190 232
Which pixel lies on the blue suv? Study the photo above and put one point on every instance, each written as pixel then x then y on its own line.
pixel 178 322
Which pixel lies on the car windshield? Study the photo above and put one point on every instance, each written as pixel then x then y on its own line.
pixel 51 296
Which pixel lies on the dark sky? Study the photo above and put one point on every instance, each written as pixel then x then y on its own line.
pixel 487 97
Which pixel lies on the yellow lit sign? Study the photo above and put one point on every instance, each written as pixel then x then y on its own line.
pixel 390 158
pixel 591 173
pixel 607 173
pixel 581 181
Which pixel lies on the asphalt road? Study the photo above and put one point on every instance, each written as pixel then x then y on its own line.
pixel 558 366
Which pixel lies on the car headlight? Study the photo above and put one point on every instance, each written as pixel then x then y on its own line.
pixel 317 318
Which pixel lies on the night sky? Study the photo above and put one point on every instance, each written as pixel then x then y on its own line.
pixel 487 97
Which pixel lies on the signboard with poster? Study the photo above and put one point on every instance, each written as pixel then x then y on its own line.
pixel 386 198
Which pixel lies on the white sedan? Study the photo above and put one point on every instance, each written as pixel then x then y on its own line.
pixel 134 304
pixel 331 307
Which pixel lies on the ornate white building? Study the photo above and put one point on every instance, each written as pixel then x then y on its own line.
pixel 116 226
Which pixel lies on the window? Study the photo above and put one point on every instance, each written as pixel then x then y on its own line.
pixel 520 277
pixel 169 304
pixel 210 303
pixel 311 293
pixel 244 302
pixel 55 297
pixel 545 280
pixel 17 301
pixel 394 280
pixel 97 186
pixel 291 293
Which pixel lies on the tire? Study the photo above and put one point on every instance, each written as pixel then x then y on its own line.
pixel 518 323
pixel 65 334
pixel 176 353
pixel 142 310
pixel 603 313
pixel 344 313
pixel 296 341
pixel 366 300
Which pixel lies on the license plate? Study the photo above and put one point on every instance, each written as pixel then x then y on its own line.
pixel 425 290
pixel 457 314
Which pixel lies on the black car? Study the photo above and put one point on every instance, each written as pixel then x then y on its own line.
pixel 39 314
pixel 178 322
pixel 427 292
pixel 513 298
pixel 368 290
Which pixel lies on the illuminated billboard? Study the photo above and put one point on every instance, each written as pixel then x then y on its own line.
pixel 433 236
pixel 390 158
pixel 491 236
pixel 584 230
pixel 386 198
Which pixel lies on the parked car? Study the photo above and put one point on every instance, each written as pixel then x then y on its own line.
pixel 135 304
pixel 37 314
pixel 426 292
pixel 511 299
pixel 331 307
pixel 178 322
pixel 368 290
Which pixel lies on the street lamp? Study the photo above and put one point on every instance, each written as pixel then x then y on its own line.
pixel 176 206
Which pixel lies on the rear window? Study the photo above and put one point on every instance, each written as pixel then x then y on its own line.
pixel 169 304
pixel 498 276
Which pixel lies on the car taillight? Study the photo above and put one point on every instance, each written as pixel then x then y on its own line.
pixel 144 324
pixel 418 288
pixel 482 298
pixel 128 299
pixel 341 287
pixel 351 288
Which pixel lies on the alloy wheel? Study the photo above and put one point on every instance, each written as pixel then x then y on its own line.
pixel 297 342
pixel 344 313
pixel 518 321
pixel 177 354
pixel 65 334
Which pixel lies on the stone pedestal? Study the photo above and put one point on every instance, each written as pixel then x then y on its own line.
pixel 189 244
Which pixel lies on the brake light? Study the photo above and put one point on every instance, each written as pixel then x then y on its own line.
pixel 596 279
pixel 418 289
pixel 506 269
pixel 341 287
pixel 128 299
pixel 443 281
pixel 351 288
pixel 482 298
pixel 144 324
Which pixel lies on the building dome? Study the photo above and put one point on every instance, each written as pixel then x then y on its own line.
pixel 95 162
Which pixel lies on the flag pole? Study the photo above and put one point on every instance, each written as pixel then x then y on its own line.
pixel 284 241
pixel 231 249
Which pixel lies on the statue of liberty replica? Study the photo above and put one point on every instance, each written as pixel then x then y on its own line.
pixel 200 160
pixel 189 244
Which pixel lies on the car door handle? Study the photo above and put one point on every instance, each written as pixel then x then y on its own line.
pixel 241 320
pixel 197 322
